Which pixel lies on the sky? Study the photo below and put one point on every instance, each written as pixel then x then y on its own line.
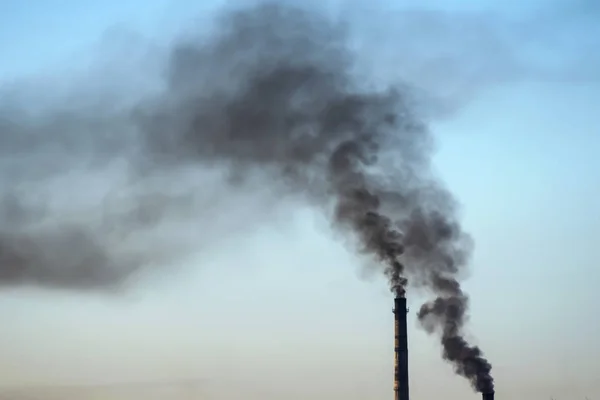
pixel 274 306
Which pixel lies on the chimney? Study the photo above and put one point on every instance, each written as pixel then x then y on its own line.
pixel 487 396
pixel 401 350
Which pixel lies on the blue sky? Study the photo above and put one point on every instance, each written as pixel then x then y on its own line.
pixel 287 306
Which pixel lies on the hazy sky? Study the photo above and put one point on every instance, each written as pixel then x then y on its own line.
pixel 273 306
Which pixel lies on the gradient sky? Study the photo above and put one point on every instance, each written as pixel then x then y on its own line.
pixel 279 309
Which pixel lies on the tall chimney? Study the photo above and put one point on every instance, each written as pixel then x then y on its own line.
pixel 488 396
pixel 401 350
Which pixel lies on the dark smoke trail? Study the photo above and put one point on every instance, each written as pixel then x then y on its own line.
pixel 449 314
pixel 275 91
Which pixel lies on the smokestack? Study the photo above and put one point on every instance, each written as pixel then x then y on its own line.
pixel 401 350
pixel 488 396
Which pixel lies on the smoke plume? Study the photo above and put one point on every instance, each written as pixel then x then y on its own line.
pixel 275 91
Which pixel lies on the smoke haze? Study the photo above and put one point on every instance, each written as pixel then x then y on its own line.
pixel 275 94
pixel 292 108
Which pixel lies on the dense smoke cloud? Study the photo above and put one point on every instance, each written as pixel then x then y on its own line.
pixel 276 92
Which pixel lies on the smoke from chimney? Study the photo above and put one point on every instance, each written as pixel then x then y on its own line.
pixel 274 91
pixel 296 112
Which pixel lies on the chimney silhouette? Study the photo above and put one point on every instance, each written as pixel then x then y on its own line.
pixel 401 350
pixel 487 396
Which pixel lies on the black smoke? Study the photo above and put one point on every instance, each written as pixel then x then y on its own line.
pixel 278 91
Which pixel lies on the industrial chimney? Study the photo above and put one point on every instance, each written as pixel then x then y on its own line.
pixel 488 396
pixel 401 350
